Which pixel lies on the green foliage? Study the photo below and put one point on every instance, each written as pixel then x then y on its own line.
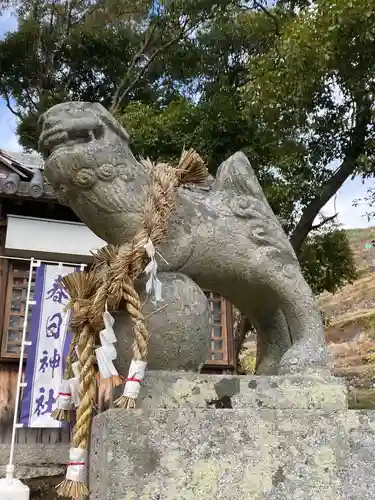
pixel 7 4
pixel 327 261
pixel 370 357
pixel 247 362
pixel 362 399
pixel 327 320
pixel 313 87
pixel 369 324
pixel 111 52
pixel 291 86
pixel 161 133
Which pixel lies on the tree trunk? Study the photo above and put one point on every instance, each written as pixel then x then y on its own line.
pixel 305 224
pixel 346 169
pixel 311 211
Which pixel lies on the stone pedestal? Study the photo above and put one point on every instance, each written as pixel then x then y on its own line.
pixel 227 437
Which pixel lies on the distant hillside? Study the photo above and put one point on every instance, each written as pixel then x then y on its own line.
pixel 350 328
pixel 350 316
pixel 358 238
pixel 357 298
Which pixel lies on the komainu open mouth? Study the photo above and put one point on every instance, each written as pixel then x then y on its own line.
pixel 57 137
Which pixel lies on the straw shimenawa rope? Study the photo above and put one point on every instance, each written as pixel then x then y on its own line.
pixel 81 286
pixel 58 413
pixel 130 261
pixel 112 282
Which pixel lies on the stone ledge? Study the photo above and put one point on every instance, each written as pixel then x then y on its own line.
pixel 23 472
pixel 193 390
pixel 36 455
pixel 187 454
pixel 36 460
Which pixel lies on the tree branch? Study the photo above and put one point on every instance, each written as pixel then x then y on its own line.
pixel 346 169
pixel 118 98
pixel 119 95
pixel 8 104
pixel 31 100
pixel 268 13
pixel 324 221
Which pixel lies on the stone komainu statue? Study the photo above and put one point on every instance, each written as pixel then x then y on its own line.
pixel 225 238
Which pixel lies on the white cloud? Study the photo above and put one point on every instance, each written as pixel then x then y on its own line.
pixel 349 216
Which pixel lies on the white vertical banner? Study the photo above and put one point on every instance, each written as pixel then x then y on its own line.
pixel 49 336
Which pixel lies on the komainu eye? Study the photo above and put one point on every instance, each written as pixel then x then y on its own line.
pixel 85 178
pixel 106 172
pixel 125 173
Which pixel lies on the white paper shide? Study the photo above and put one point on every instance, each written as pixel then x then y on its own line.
pixel 153 285
pixel 135 376
pixel 107 353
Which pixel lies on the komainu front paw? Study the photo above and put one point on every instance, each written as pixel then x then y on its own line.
pixel 306 358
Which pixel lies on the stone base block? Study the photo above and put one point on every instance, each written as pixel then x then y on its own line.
pixel 162 389
pixel 212 454
pixel 220 437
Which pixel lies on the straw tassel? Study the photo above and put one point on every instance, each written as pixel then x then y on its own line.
pixel 132 384
pixel 63 411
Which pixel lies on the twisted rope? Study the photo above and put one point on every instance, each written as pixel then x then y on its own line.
pixel 87 387
pixel 81 287
pixel 60 414
pixel 112 281
pixel 159 204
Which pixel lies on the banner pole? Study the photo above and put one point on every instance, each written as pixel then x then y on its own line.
pixel 10 487
pixel 20 367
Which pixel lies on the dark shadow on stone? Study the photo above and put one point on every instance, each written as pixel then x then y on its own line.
pixel 253 384
pixel 278 477
pixel 227 387
pixel 43 488
pixel 221 403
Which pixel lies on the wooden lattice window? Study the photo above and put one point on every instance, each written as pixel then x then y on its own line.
pixel 16 276
pixel 221 351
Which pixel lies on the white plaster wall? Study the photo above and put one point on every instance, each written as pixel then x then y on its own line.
pixel 52 239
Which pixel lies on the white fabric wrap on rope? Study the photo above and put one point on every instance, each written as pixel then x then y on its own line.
pixel 107 352
pixel 74 384
pixel 75 369
pixel 64 401
pixel 77 465
pixel 153 284
pixel 135 376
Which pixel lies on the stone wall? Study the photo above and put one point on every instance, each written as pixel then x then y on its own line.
pixel 223 437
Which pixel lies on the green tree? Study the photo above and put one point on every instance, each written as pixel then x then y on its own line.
pixel 305 136
pixel 319 251
pixel 189 74
pixel 291 86
pixel 314 88
pixel 93 50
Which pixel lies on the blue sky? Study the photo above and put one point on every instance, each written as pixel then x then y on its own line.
pixel 8 139
pixel 349 216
